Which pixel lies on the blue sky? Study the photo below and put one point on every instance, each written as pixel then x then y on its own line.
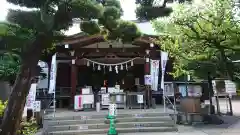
pixel 128 6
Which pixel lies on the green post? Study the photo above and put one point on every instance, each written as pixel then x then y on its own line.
pixel 112 129
pixel 112 117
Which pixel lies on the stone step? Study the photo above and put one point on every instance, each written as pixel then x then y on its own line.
pixel 119 130
pixel 103 120
pixel 106 126
pixel 122 115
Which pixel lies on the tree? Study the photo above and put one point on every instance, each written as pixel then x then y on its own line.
pixel 202 37
pixel 147 11
pixel 34 31
pixel 152 9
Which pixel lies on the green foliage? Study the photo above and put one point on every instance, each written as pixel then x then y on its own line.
pixel 146 11
pixel 29 128
pixel 86 9
pixel 9 67
pixel 2 107
pixel 128 31
pixel 90 27
pixel 201 37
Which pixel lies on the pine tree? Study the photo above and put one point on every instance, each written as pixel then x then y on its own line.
pixel 34 31
pixel 148 11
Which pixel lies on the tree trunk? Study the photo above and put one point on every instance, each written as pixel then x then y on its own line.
pixel 16 102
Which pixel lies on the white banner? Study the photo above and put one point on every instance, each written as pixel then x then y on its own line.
pixel 164 58
pixel 31 96
pixel 53 74
pixel 154 74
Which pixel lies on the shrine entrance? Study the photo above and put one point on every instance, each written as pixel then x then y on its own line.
pixel 85 61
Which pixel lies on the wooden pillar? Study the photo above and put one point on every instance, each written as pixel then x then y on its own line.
pixel 147 72
pixel 74 69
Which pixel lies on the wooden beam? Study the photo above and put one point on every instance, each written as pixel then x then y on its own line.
pixel 83 41
pixel 110 50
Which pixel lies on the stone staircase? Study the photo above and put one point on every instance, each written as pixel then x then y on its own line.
pixel 97 124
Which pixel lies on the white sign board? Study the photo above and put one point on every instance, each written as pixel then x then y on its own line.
pixel 168 90
pixel 87 99
pixel 31 96
pixel 140 99
pixel 105 99
pixel 230 87
pixel 86 91
pixel 37 106
pixel 112 109
pixel 147 80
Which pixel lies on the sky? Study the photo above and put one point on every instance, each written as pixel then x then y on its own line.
pixel 128 6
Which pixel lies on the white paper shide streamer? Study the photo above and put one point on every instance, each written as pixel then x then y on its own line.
pixel 111 67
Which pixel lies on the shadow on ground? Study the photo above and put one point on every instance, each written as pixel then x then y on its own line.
pixel 228 121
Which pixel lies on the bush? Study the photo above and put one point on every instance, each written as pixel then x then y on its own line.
pixel 26 128
pixel 2 107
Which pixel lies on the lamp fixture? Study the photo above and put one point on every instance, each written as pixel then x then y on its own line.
pixel 151 45
pixel 66 46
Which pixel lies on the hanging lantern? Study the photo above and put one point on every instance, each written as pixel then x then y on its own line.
pixel 116 69
pixel 88 63
pixel 126 66
pixel 99 67
pixel 121 67
pixel 132 63
pixel 110 68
